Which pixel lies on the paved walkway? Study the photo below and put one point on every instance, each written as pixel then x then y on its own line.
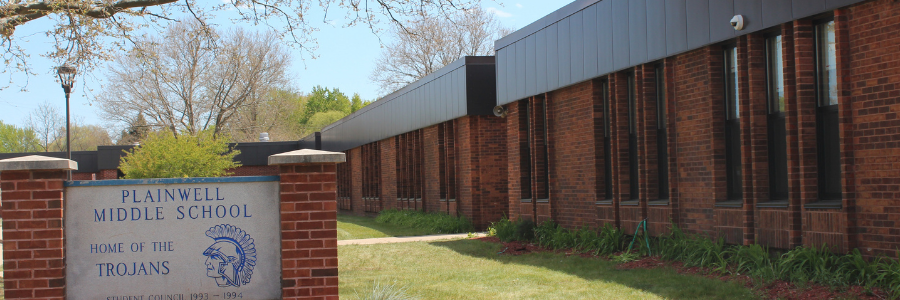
pixel 404 239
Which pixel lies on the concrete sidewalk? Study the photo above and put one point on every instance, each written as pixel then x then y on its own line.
pixel 404 239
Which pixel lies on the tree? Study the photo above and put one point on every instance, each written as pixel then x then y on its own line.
pixel 17 140
pixel 356 103
pixel 322 119
pixel 183 81
pixel 86 31
pixel 47 124
pixel 324 100
pixel 163 155
pixel 433 41
pixel 276 115
pixel 84 137
pixel 136 132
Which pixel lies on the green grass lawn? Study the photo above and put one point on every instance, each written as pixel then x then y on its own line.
pixel 470 269
pixel 355 227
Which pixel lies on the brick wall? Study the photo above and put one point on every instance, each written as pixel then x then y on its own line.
pixel 33 250
pixel 572 161
pixel 309 231
pixel 874 99
pixel 868 89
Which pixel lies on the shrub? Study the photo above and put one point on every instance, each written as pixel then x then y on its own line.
pixel 163 155
pixel 434 222
pixel 799 265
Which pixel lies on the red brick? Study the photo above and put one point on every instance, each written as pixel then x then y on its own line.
pixel 15 175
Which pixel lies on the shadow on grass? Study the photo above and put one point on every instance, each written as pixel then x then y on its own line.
pixel 664 282
pixel 366 227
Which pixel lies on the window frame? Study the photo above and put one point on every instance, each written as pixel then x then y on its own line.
pixel 776 138
pixel 732 130
pixel 828 152
pixel 662 135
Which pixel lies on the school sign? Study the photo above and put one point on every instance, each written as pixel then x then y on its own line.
pixel 255 237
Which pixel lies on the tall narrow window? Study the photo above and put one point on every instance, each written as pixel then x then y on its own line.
pixel 662 149
pixel 777 141
pixel 732 125
pixel 371 179
pixel 447 166
pixel 827 129
pixel 343 174
pixel 607 153
pixel 525 149
pixel 632 140
pixel 541 158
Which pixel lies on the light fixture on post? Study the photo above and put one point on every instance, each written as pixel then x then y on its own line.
pixel 66 79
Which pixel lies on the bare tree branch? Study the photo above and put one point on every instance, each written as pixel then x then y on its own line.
pixel 432 42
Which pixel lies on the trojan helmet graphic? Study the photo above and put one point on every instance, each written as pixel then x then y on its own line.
pixel 231 258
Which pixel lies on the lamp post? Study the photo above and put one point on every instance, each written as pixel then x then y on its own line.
pixel 66 79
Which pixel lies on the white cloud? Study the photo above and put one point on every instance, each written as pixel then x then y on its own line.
pixel 499 13
pixel 519 5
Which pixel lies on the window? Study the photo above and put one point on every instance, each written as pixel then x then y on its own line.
pixel 525 149
pixel 607 152
pixel 662 150
pixel 827 129
pixel 371 177
pixel 409 170
pixel 632 140
pixel 778 180
pixel 447 152
pixel 541 150
pixel 343 189
pixel 732 125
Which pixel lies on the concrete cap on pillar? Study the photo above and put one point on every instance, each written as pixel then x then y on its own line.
pixel 37 162
pixel 307 156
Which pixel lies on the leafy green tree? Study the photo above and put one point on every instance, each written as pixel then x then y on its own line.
pixel 356 103
pixel 15 140
pixel 324 100
pixel 322 119
pixel 162 155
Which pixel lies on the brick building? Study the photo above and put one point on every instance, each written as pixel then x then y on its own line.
pixel 433 146
pixel 783 133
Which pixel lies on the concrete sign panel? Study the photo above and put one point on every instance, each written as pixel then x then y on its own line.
pixel 173 239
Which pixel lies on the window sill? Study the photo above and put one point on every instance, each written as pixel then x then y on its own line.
pixel 773 204
pixel 543 200
pixel 630 203
pixel 525 200
pixel 730 203
pixel 660 202
pixel 824 204
pixel 446 200
pixel 604 202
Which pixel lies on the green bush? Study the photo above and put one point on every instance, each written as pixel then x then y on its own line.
pixel 799 265
pixel 163 155
pixel 434 222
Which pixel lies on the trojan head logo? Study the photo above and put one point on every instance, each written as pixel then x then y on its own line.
pixel 232 256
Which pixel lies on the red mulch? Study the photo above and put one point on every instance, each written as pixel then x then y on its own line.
pixel 777 289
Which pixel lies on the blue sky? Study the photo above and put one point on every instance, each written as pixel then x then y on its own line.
pixel 346 58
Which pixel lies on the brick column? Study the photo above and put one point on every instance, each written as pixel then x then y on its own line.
pixel 31 189
pixel 308 223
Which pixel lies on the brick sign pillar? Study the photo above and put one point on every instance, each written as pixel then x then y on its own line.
pixel 31 193
pixel 308 223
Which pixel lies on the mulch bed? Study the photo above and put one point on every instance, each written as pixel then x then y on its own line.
pixel 777 289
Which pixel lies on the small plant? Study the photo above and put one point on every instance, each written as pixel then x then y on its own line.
pixel 625 257
pixel 380 291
